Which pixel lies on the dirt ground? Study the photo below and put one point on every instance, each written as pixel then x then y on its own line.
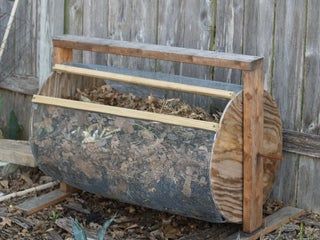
pixel 131 222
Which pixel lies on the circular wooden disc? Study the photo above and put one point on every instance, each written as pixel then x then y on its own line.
pixel 227 156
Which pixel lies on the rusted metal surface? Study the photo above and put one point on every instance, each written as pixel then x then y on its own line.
pixel 155 165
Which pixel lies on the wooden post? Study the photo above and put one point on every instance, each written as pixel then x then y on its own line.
pixel 252 142
pixel 62 55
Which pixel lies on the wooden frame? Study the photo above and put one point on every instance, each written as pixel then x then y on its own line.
pixel 252 100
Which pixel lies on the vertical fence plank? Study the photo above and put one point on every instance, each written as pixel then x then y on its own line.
pixel 308 192
pixel 198 30
pixel 287 84
pixel 95 24
pixel 229 35
pixel 51 23
pixel 24 39
pixel 258 33
pixel 136 21
pixel 170 31
pixel 73 22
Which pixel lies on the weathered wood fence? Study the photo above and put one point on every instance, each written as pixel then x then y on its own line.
pixel 285 32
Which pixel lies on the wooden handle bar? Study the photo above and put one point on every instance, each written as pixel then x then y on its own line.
pixel 177 54
pixel 125 112
pixel 205 91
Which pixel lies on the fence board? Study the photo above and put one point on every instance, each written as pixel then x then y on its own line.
pixel 51 23
pixel 95 24
pixel 258 33
pixel 135 21
pixel 73 23
pixel 308 192
pixel 229 35
pixel 288 72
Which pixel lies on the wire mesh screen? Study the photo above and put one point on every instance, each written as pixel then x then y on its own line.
pixel 16 36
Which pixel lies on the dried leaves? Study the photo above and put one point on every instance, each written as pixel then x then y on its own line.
pixel 108 96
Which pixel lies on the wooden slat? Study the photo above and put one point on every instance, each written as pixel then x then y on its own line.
pixel 301 143
pixel 17 152
pixel 308 187
pixel 38 203
pixel 258 34
pixel 125 112
pixel 271 223
pixel 229 35
pixel 145 81
pixel 194 56
pixel 252 142
pixel 288 74
pixel 127 26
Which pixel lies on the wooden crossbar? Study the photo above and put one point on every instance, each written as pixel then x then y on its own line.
pixel 178 54
pixel 125 112
pixel 211 92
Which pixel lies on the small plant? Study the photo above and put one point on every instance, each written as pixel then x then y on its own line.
pixel 54 215
pixel 79 233
pixel 301 233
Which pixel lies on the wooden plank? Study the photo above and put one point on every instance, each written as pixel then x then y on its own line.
pixel 258 34
pixel 189 24
pixel 229 35
pixel 252 144
pixel 25 85
pixel 271 223
pixel 145 81
pixel 302 143
pixel 96 26
pixel 17 152
pixel 41 202
pixel 289 45
pixel 308 188
pixel 124 112
pixel 73 23
pixel 62 55
pixel 51 20
pixel 128 26
pixel 25 39
pixel 194 56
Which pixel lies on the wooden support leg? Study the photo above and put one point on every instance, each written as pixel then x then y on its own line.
pixel 252 142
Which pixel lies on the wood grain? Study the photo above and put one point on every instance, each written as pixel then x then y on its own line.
pixel 307 185
pixel 194 56
pixel 288 74
pixel 17 152
pixel 302 143
pixel 227 160
pixel 134 21
pixel 252 144
pixel 229 35
pixel 41 202
pixel 73 22
pixel 51 21
pixel 258 34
